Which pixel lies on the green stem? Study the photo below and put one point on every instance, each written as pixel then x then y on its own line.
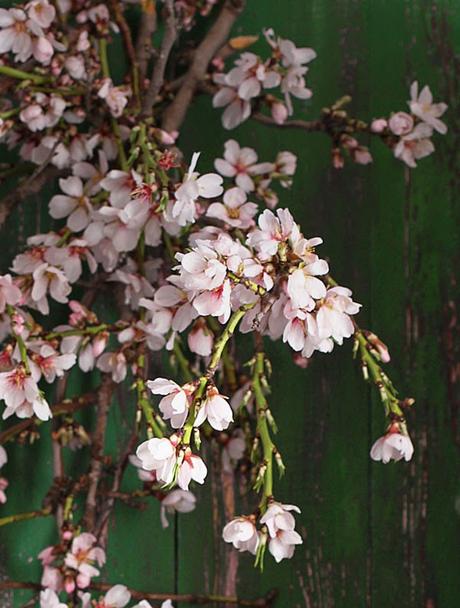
pixel 10 519
pixel 268 446
pixel 387 393
pixel 87 331
pixel 21 75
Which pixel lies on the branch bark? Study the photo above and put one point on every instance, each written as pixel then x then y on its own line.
pixel 147 27
pixel 97 449
pixel 210 45
pixel 66 406
pixel 159 68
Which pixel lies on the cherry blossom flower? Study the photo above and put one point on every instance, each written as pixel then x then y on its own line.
pixel 242 533
pixel 115 97
pixel 180 501
pixel 392 446
pixel 192 188
pixel 238 163
pixel 83 554
pixel 50 599
pixel 174 405
pixel 159 455
pixel 73 204
pixel 46 361
pixel 9 292
pixel 117 596
pixel 233 450
pixel 114 364
pixel 22 396
pixel 216 410
pixel 280 524
pixel 237 111
pixel 415 145
pixel 401 123
pixel 191 468
pixel 200 339
pixel 421 105
pixel 52 279
pixel 273 230
pixel 42 12
pixel 235 210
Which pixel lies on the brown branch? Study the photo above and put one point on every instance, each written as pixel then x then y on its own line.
pixel 159 68
pixel 147 27
pixel 65 407
pixel 103 526
pixel 305 125
pixel 128 43
pixel 210 45
pixel 97 448
pixel 191 598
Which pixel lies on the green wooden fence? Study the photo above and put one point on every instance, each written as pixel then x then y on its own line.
pixel 375 536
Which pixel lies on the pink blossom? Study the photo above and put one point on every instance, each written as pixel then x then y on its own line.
pixel 42 12
pixel 421 105
pixel 238 163
pixel 115 97
pixel 49 363
pixel 10 294
pixel 417 144
pixel 235 210
pixel 401 123
pixel 237 111
pixel 392 446
pixel 159 455
pixel 242 533
pixel 50 279
pixel 192 188
pixel 378 125
pixel 49 599
pixel 176 501
pixel 83 554
pixel 174 405
pixel 117 596
pixel 74 204
pixel 280 524
pixel 216 410
pixel 273 230
pixel 22 396
pixel 191 468
pixel 114 364
pixel 200 340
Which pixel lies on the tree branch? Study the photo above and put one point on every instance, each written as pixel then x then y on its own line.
pixel 147 26
pixel 210 45
pixel 158 72
pixel 65 407
pixel 97 448
pixel 261 602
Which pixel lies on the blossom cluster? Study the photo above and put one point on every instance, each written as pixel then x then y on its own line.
pixel 285 70
pixel 187 255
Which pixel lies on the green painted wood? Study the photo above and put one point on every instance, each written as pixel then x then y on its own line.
pixel 375 536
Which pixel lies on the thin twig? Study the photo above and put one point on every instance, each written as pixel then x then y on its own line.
pixel 65 407
pixel 159 68
pixel 210 45
pixel 97 449
pixel 147 27
pixel 128 43
pixel 191 598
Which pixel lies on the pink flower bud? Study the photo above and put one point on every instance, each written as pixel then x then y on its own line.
pixel 378 125
pixel 362 156
pixel 69 585
pixel 279 112
pixel 401 123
